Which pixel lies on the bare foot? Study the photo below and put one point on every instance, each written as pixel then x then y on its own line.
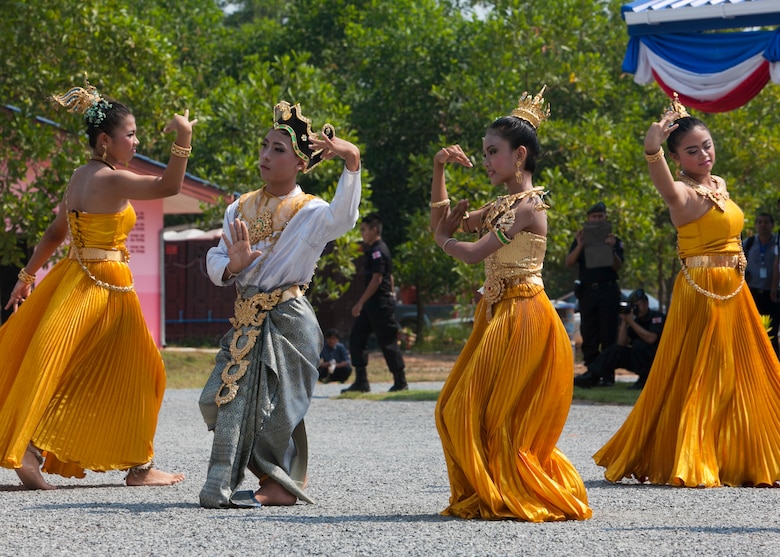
pixel 152 477
pixel 30 472
pixel 271 493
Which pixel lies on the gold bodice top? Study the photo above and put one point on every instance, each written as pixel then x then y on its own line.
pixel 514 269
pixel 106 231
pixel 522 257
pixel 714 233
pixel 100 237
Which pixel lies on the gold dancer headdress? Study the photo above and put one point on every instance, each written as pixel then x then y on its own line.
pixel 678 107
pixel 289 118
pixel 531 109
pixel 86 101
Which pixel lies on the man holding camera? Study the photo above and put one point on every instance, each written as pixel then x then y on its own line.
pixel 638 336
pixel 598 255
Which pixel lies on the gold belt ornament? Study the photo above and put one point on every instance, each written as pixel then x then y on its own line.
pixel 712 261
pixel 249 312
pixel 494 289
pixel 98 254
pixel 734 261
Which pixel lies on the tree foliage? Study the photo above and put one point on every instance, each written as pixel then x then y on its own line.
pixel 402 78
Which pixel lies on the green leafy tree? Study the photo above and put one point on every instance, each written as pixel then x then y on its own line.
pixel 47 48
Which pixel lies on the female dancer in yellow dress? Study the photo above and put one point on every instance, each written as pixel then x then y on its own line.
pixel 82 380
pixel 506 400
pixel 709 414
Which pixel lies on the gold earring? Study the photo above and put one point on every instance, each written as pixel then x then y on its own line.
pixel 105 152
pixel 519 171
pixel 677 171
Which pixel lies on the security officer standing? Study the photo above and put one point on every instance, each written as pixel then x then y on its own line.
pixel 375 311
pixel 598 291
pixel 761 273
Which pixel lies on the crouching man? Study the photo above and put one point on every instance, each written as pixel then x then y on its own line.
pixel 638 336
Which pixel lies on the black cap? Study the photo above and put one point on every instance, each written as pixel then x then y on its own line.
pixel 637 295
pixel 597 208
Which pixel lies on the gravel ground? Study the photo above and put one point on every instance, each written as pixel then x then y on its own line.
pixel 378 475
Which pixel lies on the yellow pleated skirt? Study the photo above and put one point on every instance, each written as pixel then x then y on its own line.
pixel 81 376
pixel 502 410
pixel 709 414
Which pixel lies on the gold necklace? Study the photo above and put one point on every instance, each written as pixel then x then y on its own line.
pixel 261 227
pixel 719 196
pixel 499 214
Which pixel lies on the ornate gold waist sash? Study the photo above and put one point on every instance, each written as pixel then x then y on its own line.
pixel 494 288
pixel 694 261
pixel 97 254
pixel 249 312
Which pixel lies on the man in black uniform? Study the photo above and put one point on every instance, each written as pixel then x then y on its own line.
pixel 640 332
pixel 375 311
pixel 598 291
pixel 761 273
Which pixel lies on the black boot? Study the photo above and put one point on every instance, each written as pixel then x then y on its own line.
pixel 361 382
pixel 586 380
pixel 399 382
pixel 607 380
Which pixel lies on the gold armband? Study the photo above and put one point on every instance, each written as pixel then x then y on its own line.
pixel 26 277
pixel 179 151
pixel 655 157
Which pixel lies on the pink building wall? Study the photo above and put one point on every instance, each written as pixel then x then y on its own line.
pixel 143 242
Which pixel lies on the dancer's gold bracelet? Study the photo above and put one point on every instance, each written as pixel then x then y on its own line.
pixel 179 151
pixel 655 157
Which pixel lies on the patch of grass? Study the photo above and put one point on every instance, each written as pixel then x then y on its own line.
pixel 413 395
pixel 188 369
pixel 448 339
pixel 619 394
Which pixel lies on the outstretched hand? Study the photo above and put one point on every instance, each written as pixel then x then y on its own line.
pixel 450 221
pixel 18 295
pixel 453 153
pixel 181 123
pixel 659 131
pixel 239 249
pixel 337 147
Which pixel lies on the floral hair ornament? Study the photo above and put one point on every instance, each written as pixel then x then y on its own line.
pixel 532 109
pixel 289 118
pixel 86 101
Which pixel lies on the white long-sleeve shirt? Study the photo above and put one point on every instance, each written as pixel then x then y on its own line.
pixel 300 245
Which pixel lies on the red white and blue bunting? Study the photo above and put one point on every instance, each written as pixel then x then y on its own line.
pixel 711 72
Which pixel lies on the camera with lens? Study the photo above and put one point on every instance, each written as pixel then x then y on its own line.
pixel 626 307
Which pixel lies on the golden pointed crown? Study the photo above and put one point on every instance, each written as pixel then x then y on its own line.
pixel 678 107
pixel 531 109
